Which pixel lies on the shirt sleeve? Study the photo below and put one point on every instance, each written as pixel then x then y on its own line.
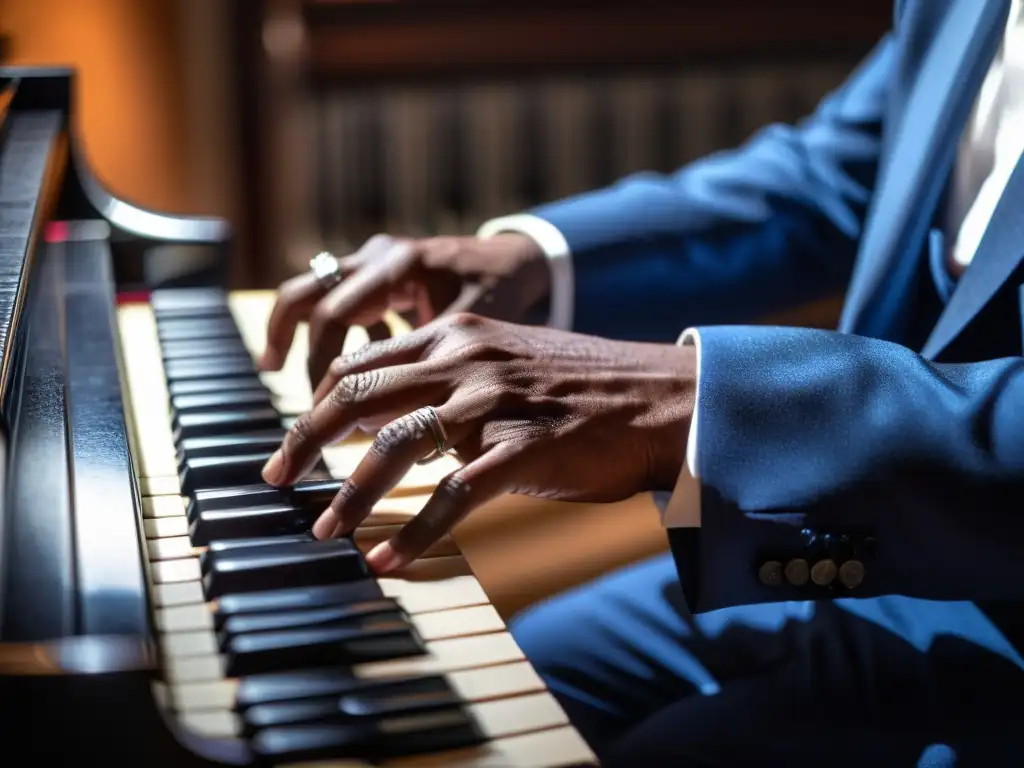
pixel 684 507
pixel 556 248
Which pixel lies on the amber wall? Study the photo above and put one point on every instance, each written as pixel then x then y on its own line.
pixel 131 102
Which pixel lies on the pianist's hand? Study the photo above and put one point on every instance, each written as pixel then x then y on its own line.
pixel 501 277
pixel 528 410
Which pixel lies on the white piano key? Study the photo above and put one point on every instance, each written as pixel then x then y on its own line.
pixel 151 435
pixel 163 506
pixel 480 669
pixel 168 571
pixel 171 548
pixel 496 682
pixel 184 618
pixel 177 593
pixel 214 725
pixel 193 669
pixel 460 622
pixel 448 656
pixel 185 644
pixel 164 527
pixel 342 460
pixel 521 714
pixel 440 595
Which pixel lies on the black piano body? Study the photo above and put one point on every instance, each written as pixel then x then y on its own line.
pixel 77 649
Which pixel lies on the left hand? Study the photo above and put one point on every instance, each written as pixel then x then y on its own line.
pixel 528 410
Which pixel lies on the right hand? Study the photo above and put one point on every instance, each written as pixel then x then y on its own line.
pixel 502 277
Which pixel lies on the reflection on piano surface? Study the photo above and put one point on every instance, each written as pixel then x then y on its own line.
pixel 156 600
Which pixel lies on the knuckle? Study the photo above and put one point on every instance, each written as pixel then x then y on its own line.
pixel 454 488
pixel 402 431
pixel 464 320
pixel 356 387
pixel 301 431
pixel 348 494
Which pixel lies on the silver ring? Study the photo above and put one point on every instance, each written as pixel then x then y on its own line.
pixel 433 421
pixel 326 270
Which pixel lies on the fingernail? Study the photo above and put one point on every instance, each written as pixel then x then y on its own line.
pixel 273 470
pixel 382 558
pixel 325 524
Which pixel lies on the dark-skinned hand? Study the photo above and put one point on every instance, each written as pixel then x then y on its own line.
pixel 501 277
pixel 527 410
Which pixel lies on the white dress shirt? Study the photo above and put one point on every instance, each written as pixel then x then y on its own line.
pixel 992 142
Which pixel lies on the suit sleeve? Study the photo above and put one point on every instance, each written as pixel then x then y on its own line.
pixel 819 447
pixel 736 235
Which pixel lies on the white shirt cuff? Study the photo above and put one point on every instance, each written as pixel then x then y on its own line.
pixel 556 248
pixel 683 508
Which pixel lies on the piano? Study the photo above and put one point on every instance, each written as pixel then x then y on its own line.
pixel 157 601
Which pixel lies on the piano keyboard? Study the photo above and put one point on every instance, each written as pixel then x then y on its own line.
pixel 272 637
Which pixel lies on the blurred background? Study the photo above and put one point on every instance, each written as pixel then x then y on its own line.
pixel 315 124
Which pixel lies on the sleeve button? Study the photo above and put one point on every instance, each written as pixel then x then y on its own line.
pixel 797 572
pixel 770 573
pixel 851 574
pixel 824 572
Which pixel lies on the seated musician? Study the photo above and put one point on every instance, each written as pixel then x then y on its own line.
pixel 857 493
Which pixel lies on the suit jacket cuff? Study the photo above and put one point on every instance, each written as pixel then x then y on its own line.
pixel 556 248
pixel 684 506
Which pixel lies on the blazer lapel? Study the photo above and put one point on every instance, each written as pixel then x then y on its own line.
pixel 949 76
pixel 998 255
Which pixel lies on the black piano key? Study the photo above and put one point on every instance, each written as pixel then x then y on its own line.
pixel 317 617
pixel 316 493
pixel 221 368
pixel 255 690
pixel 403 697
pixel 373 639
pixel 301 712
pixel 225 545
pixel 205 386
pixel 199 331
pixel 218 471
pixel 435 731
pixel 296 598
pixel 188 425
pixel 212 313
pixel 335 682
pixel 290 565
pixel 221 401
pixel 201 350
pixel 251 522
pixel 399 696
pixel 230 445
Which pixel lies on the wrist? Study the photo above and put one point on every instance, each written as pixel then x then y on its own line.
pixel 669 448
pixel 526 266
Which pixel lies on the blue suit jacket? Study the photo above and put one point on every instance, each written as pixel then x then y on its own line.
pixel 840 445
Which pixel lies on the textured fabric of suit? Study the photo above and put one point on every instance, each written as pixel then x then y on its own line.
pixel 906 425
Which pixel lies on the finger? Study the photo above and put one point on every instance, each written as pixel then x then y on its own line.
pixel 364 293
pixel 375 395
pixel 294 302
pixel 397 446
pixel 380 354
pixel 456 496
